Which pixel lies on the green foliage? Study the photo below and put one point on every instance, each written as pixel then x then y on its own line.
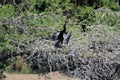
pixel 111 20
pixel 6 11
pixel 20 66
pixel 53 5
pixel 66 5
pixel 115 7
pixel 5 38
pixel 2 66
pixel 83 12
pixel 101 3
pixel 41 5
pixel 3 42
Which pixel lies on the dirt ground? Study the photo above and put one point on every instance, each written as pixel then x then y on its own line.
pixel 50 76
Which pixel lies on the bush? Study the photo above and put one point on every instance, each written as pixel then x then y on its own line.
pixel 53 5
pixel 6 11
pixel 115 7
pixel 21 66
pixel 83 12
pixel 2 66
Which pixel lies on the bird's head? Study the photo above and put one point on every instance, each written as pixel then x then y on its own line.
pixel 69 22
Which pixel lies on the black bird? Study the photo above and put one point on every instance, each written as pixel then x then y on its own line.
pixel 61 36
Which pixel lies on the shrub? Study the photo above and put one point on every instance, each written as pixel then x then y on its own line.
pixel 21 66
pixel 83 12
pixel 6 11
pixel 115 7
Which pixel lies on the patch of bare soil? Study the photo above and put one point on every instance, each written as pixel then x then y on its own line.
pixel 50 76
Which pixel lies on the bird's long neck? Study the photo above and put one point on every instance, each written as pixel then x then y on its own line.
pixel 64 27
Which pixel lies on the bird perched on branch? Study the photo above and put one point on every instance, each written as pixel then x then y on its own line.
pixel 61 36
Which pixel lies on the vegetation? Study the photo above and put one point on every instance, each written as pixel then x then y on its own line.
pixel 25 24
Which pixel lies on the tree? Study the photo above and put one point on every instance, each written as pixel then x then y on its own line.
pixel 118 2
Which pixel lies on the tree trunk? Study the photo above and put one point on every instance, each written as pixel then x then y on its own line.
pixel 118 2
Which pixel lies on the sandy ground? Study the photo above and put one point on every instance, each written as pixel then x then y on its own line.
pixel 50 76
